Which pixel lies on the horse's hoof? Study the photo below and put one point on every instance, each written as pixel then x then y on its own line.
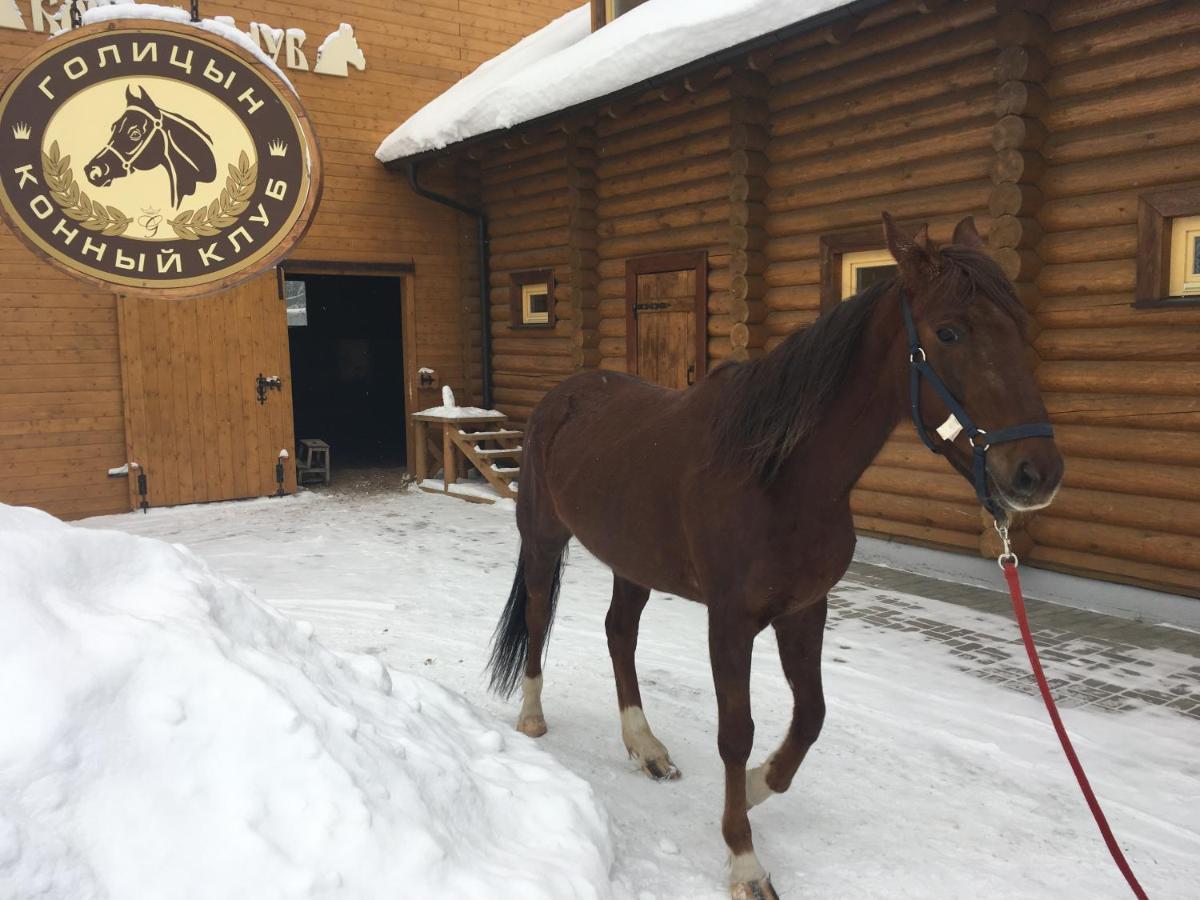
pixel 661 769
pixel 533 726
pixel 759 889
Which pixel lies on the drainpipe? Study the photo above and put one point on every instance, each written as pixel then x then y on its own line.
pixel 485 329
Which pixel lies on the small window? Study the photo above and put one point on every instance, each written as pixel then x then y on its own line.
pixel 863 268
pixel 1185 257
pixel 532 299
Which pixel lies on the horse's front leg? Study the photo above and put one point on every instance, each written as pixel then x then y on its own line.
pixel 730 641
pixel 799 635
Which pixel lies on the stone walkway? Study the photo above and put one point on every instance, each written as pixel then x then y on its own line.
pixel 1090 659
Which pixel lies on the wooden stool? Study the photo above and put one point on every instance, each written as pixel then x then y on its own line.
pixel 313 463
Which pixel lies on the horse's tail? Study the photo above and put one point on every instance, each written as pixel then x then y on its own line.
pixel 510 641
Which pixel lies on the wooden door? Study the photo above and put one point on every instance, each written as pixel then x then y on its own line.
pixel 193 420
pixel 666 299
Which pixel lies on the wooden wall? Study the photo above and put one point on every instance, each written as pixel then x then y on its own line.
pixel 1120 110
pixel 61 395
pixel 1043 120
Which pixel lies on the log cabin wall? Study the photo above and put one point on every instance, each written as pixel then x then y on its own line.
pixel 62 410
pixel 1113 111
pixel 895 114
pixel 1044 120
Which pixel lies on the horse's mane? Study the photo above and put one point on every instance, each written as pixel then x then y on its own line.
pixel 770 405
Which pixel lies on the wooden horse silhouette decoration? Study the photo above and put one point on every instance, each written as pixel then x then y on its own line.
pixel 736 492
pixel 145 137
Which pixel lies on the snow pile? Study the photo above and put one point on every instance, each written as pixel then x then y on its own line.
pixel 566 63
pixel 166 734
pixel 451 410
pixel 131 9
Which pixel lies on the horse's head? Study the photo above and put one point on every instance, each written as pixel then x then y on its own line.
pixel 124 152
pixel 971 330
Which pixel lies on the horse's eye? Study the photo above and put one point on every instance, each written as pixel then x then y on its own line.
pixel 948 335
pixel 135 133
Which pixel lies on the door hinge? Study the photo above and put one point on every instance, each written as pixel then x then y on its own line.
pixel 638 307
pixel 263 384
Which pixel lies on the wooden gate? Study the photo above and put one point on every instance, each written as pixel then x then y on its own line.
pixel 665 317
pixel 193 420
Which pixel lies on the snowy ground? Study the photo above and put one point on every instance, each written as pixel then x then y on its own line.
pixel 927 782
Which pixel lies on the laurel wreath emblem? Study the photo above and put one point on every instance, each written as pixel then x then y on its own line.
pixel 92 215
pixel 206 221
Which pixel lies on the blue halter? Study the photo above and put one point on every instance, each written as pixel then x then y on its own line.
pixel 919 368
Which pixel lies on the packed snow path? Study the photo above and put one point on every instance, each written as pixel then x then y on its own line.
pixel 927 782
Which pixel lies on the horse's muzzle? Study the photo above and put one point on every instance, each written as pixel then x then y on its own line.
pixel 99 174
pixel 1026 474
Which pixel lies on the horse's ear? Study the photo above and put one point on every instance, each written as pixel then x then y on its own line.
pixel 966 234
pixel 129 98
pixel 914 255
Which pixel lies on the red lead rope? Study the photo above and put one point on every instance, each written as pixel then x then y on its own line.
pixel 1008 564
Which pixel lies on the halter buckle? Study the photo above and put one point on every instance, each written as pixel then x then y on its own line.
pixel 971 441
pixel 912 357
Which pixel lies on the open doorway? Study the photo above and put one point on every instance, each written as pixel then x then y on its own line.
pixel 345 335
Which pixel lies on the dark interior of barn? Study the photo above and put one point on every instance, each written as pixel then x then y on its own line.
pixel 347 356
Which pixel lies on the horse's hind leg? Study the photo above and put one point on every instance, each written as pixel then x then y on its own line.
pixel 621 624
pixel 799 635
pixel 543 562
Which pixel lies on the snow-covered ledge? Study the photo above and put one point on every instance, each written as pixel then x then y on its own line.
pixel 1125 601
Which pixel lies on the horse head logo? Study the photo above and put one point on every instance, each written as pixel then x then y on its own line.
pixel 145 137
pixel 338 52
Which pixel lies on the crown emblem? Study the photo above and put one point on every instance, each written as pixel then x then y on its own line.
pixel 277 148
pixel 21 131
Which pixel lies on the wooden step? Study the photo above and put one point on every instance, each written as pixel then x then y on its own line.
pixel 507 473
pixel 502 453
pixel 502 434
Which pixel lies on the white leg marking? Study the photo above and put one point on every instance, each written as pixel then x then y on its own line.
pixel 757 789
pixel 531 720
pixel 745 867
pixel 644 746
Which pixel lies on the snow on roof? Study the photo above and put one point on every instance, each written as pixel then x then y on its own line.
pixel 566 63
pixel 222 27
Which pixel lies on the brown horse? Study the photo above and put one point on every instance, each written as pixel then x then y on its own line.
pixel 736 493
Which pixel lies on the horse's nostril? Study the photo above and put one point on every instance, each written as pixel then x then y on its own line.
pixel 1028 478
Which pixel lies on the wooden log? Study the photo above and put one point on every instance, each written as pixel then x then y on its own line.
pixel 1021 64
pixel 1170 129
pixel 917 534
pixel 943 484
pixel 1010 199
pixel 532 364
pixel 1011 231
pixel 660 178
pixel 792 189
pixel 1018 166
pixel 1137 544
pixel 1108 311
pixel 1107 276
pixel 613 346
pixel 1092 211
pixel 782 322
pixel 794 157
pixel 793 272
pixel 675 239
pixel 961 517
pixel 703 190
pixel 1139 170
pixel 1169 56
pixel 1133 479
pixel 1018 264
pixel 527 382
pixel 1140 98
pixel 664 130
pixel 1089 245
pixel 534 240
pixel 1120 31
pixel 1020 98
pixel 793 297
pixel 613 363
pixel 1021 28
pixel 1159 514
pixel 1181 342
pixel 1140 410
pixel 707 213
pixel 1123 377
pixel 1018 133
pixel 1147 445
pixel 1123 571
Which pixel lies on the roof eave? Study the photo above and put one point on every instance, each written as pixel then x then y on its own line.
pixel 717 59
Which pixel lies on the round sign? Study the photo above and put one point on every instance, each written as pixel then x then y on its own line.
pixel 152 157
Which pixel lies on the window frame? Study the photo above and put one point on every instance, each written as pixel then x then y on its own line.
pixel 1157 211
pixel 852 260
pixel 835 246
pixel 518 293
